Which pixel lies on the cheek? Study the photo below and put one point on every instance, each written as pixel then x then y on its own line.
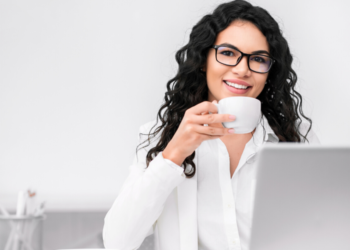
pixel 260 84
pixel 214 73
pixel 214 68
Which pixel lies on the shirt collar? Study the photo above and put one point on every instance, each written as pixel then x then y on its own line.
pixel 263 134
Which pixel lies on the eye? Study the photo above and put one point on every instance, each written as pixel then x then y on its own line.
pixel 227 53
pixel 259 59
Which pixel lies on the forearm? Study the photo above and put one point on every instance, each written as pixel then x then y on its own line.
pixel 139 205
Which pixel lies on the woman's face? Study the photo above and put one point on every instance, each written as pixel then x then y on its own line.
pixel 247 38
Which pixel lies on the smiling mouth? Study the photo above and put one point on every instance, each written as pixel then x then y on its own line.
pixel 237 86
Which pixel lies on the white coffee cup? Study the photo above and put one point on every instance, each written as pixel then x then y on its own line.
pixel 247 111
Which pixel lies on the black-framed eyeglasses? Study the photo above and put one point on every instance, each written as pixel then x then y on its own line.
pixel 231 56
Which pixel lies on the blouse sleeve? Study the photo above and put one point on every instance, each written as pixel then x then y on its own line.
pixel 135 211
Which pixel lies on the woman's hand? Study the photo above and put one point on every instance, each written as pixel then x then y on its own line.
pixel 191 132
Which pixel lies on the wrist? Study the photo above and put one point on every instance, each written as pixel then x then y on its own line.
pixel 173 155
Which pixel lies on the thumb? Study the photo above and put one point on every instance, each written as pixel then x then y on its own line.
pixel 215 101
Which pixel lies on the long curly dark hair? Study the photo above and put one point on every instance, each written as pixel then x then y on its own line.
pixel 280 102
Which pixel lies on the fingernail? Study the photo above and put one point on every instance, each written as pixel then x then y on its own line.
pixel 231 131
pixel 232 117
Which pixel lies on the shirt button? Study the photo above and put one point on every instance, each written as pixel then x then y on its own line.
pixel 229 205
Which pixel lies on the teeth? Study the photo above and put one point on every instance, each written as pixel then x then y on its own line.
pixel 237 86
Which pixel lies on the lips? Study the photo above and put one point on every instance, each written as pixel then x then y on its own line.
pixel 236 90
pixel 240 82
pixel 237 86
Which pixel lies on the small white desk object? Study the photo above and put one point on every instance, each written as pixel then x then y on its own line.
pixel 22 232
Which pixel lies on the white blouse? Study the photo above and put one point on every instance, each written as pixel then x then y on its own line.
pixel 224 204
pixel 149 198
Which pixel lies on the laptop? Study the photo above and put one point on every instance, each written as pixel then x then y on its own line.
pixel 302 198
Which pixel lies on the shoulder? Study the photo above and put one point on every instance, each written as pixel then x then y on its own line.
pixel 311 136
pixel 149 128
pixel 146 127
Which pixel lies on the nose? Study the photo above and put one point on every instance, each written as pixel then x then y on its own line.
pixel 242 69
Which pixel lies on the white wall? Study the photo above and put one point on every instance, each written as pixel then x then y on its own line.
pixel 72 95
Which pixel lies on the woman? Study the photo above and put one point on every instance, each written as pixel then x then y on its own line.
pixel 236 51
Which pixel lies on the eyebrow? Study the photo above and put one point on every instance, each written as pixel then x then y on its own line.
pixel 254 52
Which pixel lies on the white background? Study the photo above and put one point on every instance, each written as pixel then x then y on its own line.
pixel 78 78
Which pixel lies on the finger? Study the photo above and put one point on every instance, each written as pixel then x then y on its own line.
pixel 203 107
pixel 211 118
pixel 211 131
pixel 207 113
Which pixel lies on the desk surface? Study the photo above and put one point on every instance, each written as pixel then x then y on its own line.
pixel 64 203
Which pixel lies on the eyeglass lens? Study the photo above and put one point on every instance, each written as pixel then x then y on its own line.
pixel 229 56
